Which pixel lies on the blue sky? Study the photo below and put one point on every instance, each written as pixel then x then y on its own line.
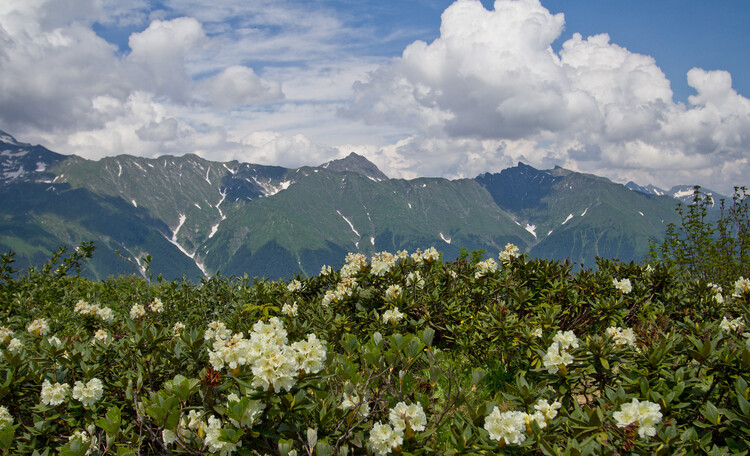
pixel 650 91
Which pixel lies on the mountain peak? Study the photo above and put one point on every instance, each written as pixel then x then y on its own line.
pixel 357 164
pixel 8 139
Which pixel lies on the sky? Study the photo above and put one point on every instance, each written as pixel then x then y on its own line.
pixel 657 92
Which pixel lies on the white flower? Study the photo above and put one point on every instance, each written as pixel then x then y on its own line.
pixel 289 310
pixel 106 314
pixel 506 427
pixel 453 274
pixel 15 345
pixel 89 393
pixel 537 332
pixel 253 411
pixel 326 270
pixel 381 263
pixel 137 311
pixel 213 439
pixel 156 306
pixel 485 267
pixel 351 401
pixel 38 327
pixel 217 331
pixel 732 325
pixel 82 307
pixel 623 285
pixel 511 251
pixel 101 335
pixel 566 339
pixel 294 285
pixel 392 315
pixel 431 254
pixel 415 279
pixel 621 336
pixel 54 341
pixel 556 357
pixel 310 354
pixel 417 257
pixel 168 436
pixel 402 255
pixel 392 292
pixel 646 414
pixel 548 410
pixel 383 439
pixel 54 393
pixel 741 286
pixel 177 328
pixel 411 414
pixel 5 417
pixel 5 334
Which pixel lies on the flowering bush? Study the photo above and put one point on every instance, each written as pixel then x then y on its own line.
pixel 398 354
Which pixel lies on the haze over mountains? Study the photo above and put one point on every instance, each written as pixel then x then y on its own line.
pixel 196 217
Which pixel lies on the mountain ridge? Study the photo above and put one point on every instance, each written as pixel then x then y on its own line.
pixel 200 216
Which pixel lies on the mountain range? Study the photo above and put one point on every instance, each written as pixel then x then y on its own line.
pixel 197 217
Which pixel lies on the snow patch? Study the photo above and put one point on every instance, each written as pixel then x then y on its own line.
pixel 641 213
pixel 567 219
pixel 231 171
pixel 214 229
pixel 269 189
pixel 372 241
pixel 208 170
pixel 10 153
pixel 584 212
pixel 447 240
pixel 549 232
pixel 177 230
pixel 684 193
pixel 7 139
pixel 40 166
pixel 134 203
pixel 409 205
pixel 139 166
pixel 11 175
pixel 531 229
pixel 197 205
pixel 350 225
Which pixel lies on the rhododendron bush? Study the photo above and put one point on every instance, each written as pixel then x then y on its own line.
pixel 397 353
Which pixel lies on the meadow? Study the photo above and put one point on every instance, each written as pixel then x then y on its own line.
pixel 405 353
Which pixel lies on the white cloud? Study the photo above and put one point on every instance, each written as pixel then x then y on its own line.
pixel 491 89
pixel 239 85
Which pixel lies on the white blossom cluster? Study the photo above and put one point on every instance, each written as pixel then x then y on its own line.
pixel 89 393
pixel 511 251
pixel 392 315
pixel 294 286
pixel 428 255
pixel 485 267
pixel 718 297
pixel 623 285
pixel 558 354
pixel 54 393
pixel 646 414
pixel 385 437
pixel 415 279
pixel 741 286
pixel 354 263
pixel 139 310
pixel 621 336
pixel 38 327
pixel 290 310
pixel 84 308
pixel 345 288
pixel 6 419
pixel 272 361
pixel 214 441
pixel 732 325
pixel 381 263
pixel 351 401
pixel 392 292
pixel 5 334
pixel 510 427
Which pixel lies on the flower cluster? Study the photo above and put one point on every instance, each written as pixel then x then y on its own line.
pixel 386 437
pixel 509 427
pixel 393 292
pixel 355 262
pixel 214 441
pixel 84 308
pixel 741 286
pixel 38 327
pixel 716 291
pixel 415 279
pixel 732 325
pixel 392 315
pixel 646 414
pixel 290 310
pixel 623 285
pixel 139 310
pixel 88 393
pixel 6 419
pixel 558 355
pixel 428 255
pixel 345 288
pixel 5 334
pixel 622 336
pixel 351 401
pixel 511 251
pixel 156 306
pixel 485 267
pixel 381 263
pixel 294 286
pixel 54 393
pixel 217 330
pixel 271 360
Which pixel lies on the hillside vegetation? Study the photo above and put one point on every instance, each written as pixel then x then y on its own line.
pixel 407 353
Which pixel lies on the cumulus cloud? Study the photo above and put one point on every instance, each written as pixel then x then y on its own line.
pixel 239 85
pixel 491 86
